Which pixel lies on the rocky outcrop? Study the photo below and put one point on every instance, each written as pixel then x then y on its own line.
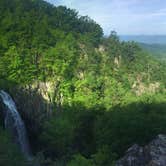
pixel 45 89
pixel 154 154
pixel 139 87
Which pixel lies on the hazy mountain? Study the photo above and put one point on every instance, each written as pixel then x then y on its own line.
pixel 154 44
pixel 148 39
pixel 158 50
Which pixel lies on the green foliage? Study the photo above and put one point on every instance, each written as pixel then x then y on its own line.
pixel 98 135
pixel 80 160
pixel 104 157
pixel 157 50
pixel 9 154
pixel 33 33
pixel 70 132
pixel 60 60
pixel 58 139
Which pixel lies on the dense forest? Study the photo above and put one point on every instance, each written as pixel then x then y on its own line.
pixel 84 98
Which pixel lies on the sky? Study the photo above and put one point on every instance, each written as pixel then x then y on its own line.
pixel 126 17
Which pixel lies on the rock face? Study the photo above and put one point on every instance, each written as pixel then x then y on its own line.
pixel 154 154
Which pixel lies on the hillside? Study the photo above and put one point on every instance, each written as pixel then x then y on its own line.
pixel 158 50
pixel 154 44
pixel 84 98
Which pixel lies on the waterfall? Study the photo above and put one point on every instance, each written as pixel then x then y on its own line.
pixel 15 124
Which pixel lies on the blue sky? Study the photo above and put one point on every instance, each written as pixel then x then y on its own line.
pixel 124 16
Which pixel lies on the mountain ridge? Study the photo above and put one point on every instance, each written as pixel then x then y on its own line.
pixel 148 39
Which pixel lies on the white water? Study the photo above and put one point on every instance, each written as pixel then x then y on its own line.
pixel 15 124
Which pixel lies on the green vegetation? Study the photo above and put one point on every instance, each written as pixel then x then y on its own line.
pixel 158 50
pixel 102 136
pixel 9 154
pixel 84 98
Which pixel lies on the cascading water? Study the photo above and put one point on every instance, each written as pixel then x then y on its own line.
pixel 15 124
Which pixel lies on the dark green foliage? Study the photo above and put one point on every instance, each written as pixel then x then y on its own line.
pixel 73 133
pixel 102 136
pixel 139 123
pixel 80 160
pixel 9 154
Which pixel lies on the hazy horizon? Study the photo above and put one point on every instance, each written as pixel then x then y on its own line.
pixel 126 17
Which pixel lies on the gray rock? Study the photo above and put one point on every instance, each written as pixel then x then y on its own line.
pixel 154 154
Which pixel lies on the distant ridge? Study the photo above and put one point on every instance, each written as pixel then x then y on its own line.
pixel 148 39
pixel 158 50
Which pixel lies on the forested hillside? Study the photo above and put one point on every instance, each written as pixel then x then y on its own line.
pixel 85 98
pixel 158 50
